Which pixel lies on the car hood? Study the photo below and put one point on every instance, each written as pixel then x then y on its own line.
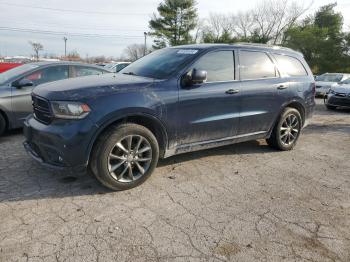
pixel 91 86
pixel 342 89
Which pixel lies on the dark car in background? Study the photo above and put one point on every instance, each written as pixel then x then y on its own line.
pixel 172 101
pixel 17 84
pixel 339 95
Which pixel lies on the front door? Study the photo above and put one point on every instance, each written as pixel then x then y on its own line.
pixel 210 111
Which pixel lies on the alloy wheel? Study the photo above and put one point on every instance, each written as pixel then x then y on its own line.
pixel 289 130
pixel 130 158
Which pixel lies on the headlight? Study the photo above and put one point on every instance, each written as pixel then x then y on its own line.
pixel 70 110
pixel 331 91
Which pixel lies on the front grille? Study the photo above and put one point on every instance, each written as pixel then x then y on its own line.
pixel 41 108
pixel 318 86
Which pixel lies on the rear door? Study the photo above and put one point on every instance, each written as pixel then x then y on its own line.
pixel 210 111
pixel 21 99
pixel 260 82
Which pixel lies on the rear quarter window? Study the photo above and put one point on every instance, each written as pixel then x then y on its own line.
pixel 290 65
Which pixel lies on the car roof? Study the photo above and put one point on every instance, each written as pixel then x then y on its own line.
pixel 336 74
pixel 253 46
pixel 46 63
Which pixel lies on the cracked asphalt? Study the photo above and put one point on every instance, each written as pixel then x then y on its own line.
pixel 243 202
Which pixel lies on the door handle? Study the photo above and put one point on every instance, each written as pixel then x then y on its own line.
pixel 232 91
pixel 281 87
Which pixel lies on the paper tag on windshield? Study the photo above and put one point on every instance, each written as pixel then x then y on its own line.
pixel 187 51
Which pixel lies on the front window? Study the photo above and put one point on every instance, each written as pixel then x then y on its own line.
pixel 345 82
pixel 49 74
pixel 161 64
pixel 218 65
pixel 330 77
pixel 8 75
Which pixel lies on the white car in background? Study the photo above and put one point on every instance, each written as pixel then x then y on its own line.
pixel 116 67
pixel 326 81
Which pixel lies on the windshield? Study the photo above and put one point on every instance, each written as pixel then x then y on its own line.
pixel 160 64
pixel 109 66
pixel 7 75
pixel 346 81
pixel 330 77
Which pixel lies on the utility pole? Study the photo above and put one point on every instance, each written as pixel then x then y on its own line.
pixel 65 46
pixel 144 49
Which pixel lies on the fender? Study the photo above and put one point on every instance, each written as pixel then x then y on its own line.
pixel 295 100
pixel 120 115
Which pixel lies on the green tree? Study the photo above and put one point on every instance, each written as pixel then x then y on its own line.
pixel 321 40
pixel 173 25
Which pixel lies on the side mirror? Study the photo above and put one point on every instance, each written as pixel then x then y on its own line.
pixel 198 76
pixel 23 83
pixel 194 77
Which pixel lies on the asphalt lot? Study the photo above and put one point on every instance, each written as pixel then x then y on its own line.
pixel 243 202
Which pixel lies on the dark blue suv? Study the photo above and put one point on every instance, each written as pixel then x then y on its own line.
pixel 171 101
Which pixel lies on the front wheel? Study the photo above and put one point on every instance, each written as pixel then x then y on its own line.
pixel 125 156
pixel 286 132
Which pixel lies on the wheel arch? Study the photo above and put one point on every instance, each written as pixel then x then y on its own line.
pixel 149 121
pixel 296 104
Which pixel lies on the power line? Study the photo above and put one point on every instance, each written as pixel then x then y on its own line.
pixel 56 25
pixel 60 33
pixel 71 10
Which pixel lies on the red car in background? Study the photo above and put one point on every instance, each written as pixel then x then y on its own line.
pixel 7 66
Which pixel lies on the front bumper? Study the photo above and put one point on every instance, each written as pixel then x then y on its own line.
pixel 62 145
pixel 334 100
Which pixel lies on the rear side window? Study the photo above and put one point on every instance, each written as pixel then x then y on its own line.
pixel 290 65
pixel 219 66
pixel 255 65
pixel 86 71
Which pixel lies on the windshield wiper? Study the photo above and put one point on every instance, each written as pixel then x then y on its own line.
pixel 130 73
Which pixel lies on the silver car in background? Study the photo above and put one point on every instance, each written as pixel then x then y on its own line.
pixel 326 81
pixel 16 86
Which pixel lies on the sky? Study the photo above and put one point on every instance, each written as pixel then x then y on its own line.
pixel 105 27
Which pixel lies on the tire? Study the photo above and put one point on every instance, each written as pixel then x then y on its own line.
pixel 2 124
pixel 286 131
pixel 115 165
pixel 331 107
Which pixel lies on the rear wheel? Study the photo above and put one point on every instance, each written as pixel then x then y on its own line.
pixel 286 132
pixel 2 124
pixel 125 156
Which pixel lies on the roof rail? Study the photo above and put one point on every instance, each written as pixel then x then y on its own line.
pixel 264 45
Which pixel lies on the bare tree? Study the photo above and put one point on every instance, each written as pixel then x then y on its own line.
pixel 243 24
pixel 215 28
pixel 272 18
pixel 135 51
pixel 265 23
pixel 36 47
